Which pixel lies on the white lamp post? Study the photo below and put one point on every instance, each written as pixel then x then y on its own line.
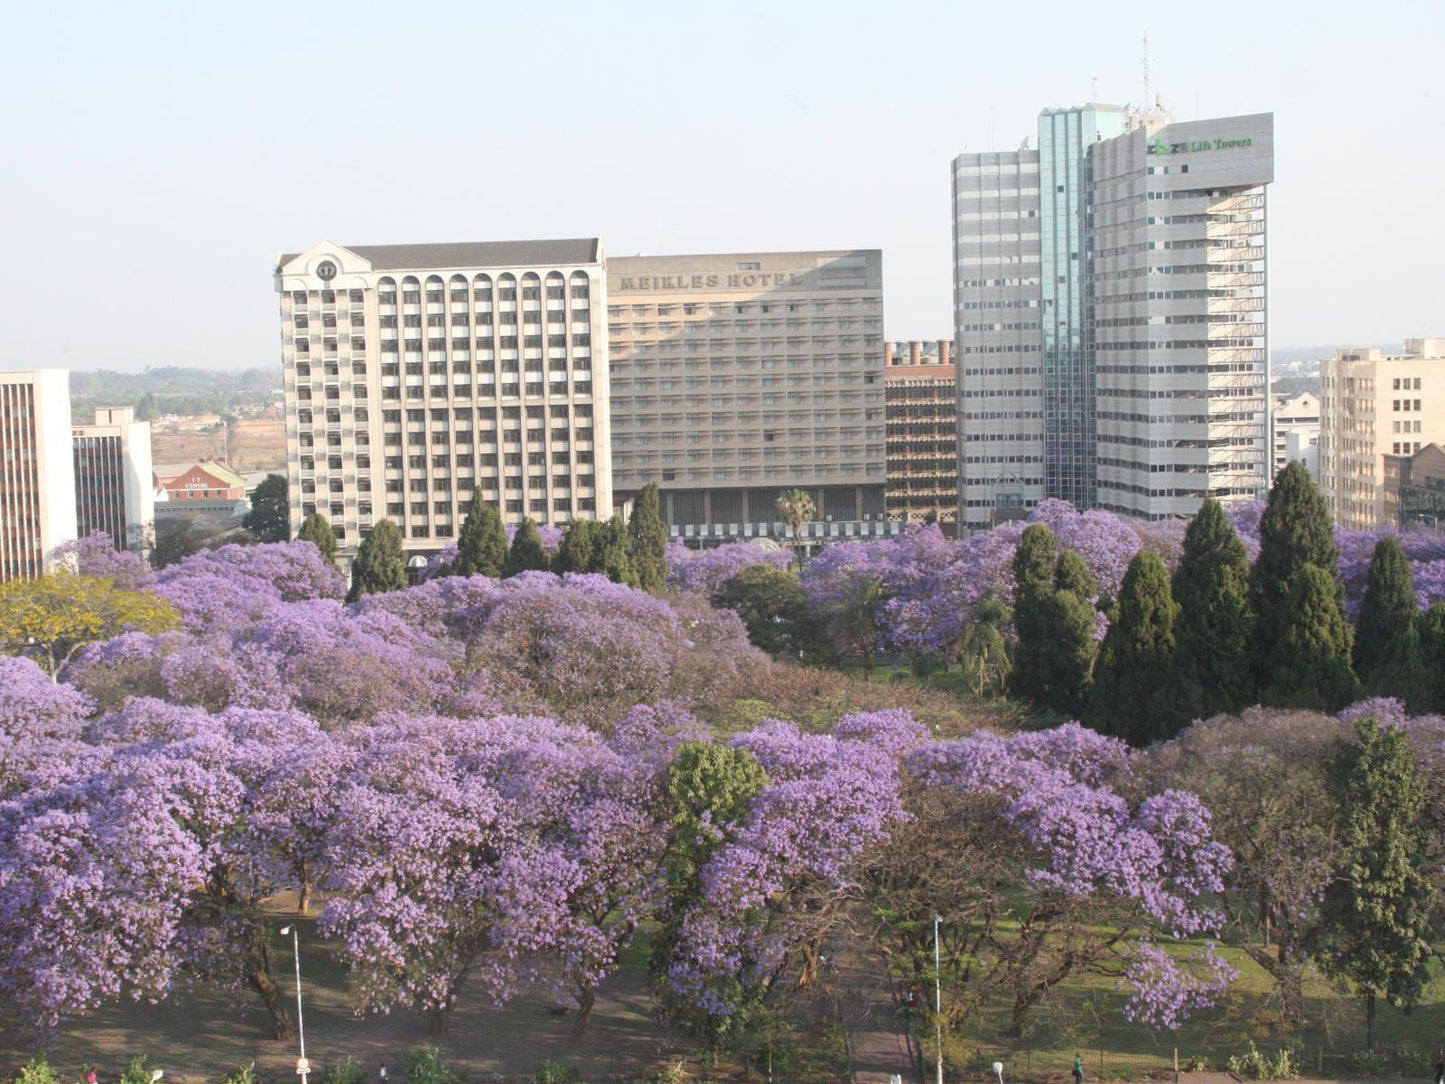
pixel 938 995
pixel 303 1067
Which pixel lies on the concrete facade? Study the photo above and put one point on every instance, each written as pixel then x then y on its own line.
pixel 1295 423
pixel 37 472
pixel 114 487
pixel 1110 315
pixel 1373 405
pixel 418 375
pixel 736 378
pixel 921 393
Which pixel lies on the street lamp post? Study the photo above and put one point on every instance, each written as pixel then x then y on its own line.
pixel 303 1067
pixel 938 996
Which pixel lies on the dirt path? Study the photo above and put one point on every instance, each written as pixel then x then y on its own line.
pixel 876 1040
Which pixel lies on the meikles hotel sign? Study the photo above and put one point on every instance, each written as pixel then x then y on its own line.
pixel 741 280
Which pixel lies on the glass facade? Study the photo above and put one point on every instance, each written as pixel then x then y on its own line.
pixel 1066 222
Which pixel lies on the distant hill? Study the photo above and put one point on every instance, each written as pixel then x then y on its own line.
pixel 173 389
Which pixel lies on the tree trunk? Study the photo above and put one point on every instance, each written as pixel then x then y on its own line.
pixel 439 1019
pixel 586 998
pixel 303 890
pixel 1370 1021
pixel 258 978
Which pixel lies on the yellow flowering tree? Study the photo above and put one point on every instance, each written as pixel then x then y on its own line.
pixel 52 618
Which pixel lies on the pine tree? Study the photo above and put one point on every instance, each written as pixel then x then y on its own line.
pixel 1067 624
pixel 527 553
pixel 1432 660
pixel 616 553
pixel 1387 639
pixel 1034 565
pixel 482 544
pixel 648 537
pixel 269 519
pixel 1131 675
pixel 316 530
pixel 1212 670
pixel 1377 929
pixel 1072 574
pixel 380 562
pixel 1311 663
pixel 582 547
pixel 1294 531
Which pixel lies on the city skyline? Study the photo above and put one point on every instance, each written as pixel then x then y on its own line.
pixel 170 170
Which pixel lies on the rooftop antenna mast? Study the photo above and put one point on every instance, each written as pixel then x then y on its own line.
pixel 1094 89
pixel 1146 72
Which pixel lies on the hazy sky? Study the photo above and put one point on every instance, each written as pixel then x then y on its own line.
pixel 157 157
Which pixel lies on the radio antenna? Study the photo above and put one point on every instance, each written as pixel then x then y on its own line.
pixel 1146 72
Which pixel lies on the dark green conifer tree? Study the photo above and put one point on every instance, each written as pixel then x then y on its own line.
pixel 1034 564
pixel 617 552
pixel 1131 675
pixel 1387 637
pixel 1432 660
pixel 1378 911
pixel 316 530
pixel 380 562
pixel 1067 661
pixel 582 547
pixel 1294 531
pixel 648 539
pixel 482 544
pixel 527 553
pixel 269 519
pixel 1311 663
pixel 1072 574
pixel 1212 670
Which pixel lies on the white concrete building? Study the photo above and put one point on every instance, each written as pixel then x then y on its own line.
pixel 37 475
pixel 417 375
pixel 1295 423
pixel 739 377
pixel 1373 405
pixel 114 486
pixel 1110 315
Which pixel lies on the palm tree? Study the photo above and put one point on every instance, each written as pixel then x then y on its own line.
pixel 796 508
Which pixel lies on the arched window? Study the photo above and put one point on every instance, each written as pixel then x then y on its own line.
pixel 531 287
pixel 457 288
pixel 411 290
pixel 482 287
pixel 581 286
pixel 556 286
pixel 506 287
pixel 433 289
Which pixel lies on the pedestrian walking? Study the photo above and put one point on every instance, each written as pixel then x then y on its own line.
pixel 90 1077
pixel 1079 1069
pixel 1440 1067
pixel 381 1073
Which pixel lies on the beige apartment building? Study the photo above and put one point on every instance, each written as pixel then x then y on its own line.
pixel 37 477
pixel 418 375
pixel 736 378
pixel 1373 405
pixel 1295 425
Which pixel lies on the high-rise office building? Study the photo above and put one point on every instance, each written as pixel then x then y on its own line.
pixel 114 488
pixel 1295 423
pixel 1374 405
pixel 736 378
pixel 921 391
pixel 417 375
pixel 37 476
pixel 1109 315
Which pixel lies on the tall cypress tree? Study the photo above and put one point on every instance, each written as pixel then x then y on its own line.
pixel 1377 929
pixel 1212 670
pixel 527 553
pixel 1131 675
pixel 582 547
pixel 617 552
pixel 1432 660
pixel 648 538
pixel 1311 664
pixel 1387 639
pixel 380 562
pixel 316 530
pixel 1065 666
pixel 1035 560
pixel 482 544
pixel 1294 531
pixel 1072 574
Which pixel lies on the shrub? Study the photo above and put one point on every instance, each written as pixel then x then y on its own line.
pixel 38 1071
pixel 554 1072
pixel 244 1075
pixel 424 1066
pixel 1258 1065
pixel 344 1072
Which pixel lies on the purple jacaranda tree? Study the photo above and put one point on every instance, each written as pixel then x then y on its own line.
pixel 1099 875
pixel 762 907
pixel 96 555
pixel 705 571
pixel 38 719
pixel 94 873
pixel 224 589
